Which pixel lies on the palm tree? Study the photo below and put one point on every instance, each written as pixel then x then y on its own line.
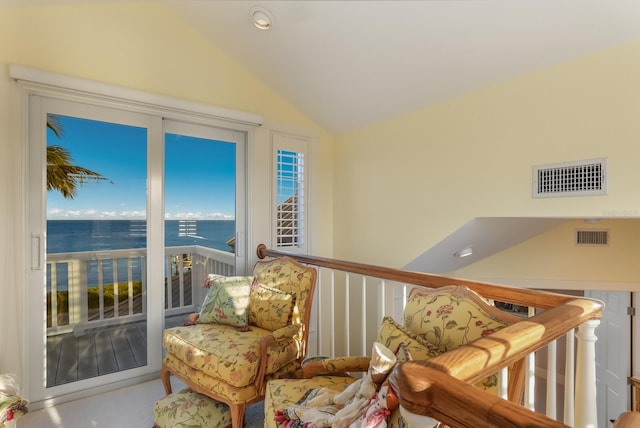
pixel 62 175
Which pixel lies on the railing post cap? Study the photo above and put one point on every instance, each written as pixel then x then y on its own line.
pixel 260 251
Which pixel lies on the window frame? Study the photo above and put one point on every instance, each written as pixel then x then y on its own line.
pixel 299 146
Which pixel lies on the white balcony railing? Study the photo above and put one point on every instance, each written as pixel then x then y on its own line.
pixel 81 293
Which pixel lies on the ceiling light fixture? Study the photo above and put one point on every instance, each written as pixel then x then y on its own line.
pixel 262 18
pixel 467 251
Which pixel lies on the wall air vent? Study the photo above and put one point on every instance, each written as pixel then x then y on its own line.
pixel 592 237
pixel 579 178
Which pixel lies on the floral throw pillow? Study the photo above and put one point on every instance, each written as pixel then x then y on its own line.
pixel 270 308
pixel 227 301
pixel 449 318
pixel 395 337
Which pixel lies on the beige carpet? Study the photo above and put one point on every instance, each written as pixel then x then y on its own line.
pixel 130 407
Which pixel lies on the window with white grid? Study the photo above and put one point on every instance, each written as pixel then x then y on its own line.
pixel 290 193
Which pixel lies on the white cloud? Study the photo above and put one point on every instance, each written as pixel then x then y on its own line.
pixel 94 214
pixel 219 216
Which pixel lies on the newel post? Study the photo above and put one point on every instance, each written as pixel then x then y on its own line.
pixel 586 415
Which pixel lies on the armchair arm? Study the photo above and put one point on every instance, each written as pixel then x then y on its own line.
pixel 192 318
pixel 286 332
pixel 313 367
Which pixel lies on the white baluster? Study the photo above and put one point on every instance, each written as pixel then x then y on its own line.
pixel 586 412
pixel 363 309
pixel 54 293
pixel 332 303
pixel 569 379
pixel 347 315
pixel 101 288
pixel 83 285
pixel 130 284
pixel 530 382
pixel 503 383
pixel 530 374
pixel 552 383
pixel 116 289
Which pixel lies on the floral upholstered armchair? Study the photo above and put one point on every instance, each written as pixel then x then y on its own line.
pixel 249 330
pixel 435 321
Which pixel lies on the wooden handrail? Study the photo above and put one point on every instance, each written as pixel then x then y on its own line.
pixel 422 384
pixel 460 404
pixel 518 296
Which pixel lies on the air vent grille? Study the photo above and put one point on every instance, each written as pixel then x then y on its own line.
pixel 580 178
pixel 592 237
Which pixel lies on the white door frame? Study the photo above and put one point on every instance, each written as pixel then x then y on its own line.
pixel 39 107
pixel 35 82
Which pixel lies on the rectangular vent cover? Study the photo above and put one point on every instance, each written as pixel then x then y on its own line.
pixel 580 178
pixel 592 237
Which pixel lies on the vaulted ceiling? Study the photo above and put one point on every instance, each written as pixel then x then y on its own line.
pixel 348 64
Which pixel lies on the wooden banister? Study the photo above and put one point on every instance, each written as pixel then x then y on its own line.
pixel 518 296
pixel 459 404
pixel 442 386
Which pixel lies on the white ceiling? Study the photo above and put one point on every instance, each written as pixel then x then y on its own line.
pixel 485 237
pixel 348 64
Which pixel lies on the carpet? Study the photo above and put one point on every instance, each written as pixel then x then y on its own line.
pixel 130 407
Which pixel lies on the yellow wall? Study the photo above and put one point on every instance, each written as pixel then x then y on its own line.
pixel 407 183
pixel 141 46
pixel 552 260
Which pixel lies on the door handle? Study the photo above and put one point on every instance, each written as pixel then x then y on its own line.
pixel 36 257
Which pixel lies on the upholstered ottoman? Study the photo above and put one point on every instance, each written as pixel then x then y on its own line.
pixel 190 409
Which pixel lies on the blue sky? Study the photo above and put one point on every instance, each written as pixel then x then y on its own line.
pixel 199 174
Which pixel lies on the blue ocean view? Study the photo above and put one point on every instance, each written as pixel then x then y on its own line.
pixel 68 236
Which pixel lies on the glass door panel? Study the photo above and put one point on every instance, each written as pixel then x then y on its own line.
pixel 96 242
pixel 202 216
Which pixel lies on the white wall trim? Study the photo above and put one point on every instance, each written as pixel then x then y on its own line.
pixel 120 93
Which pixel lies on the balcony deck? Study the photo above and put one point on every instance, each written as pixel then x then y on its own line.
pixel 109 349
pixel 98 351
pixel 94 353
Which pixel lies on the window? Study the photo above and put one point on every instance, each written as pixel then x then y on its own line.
pixel 290 193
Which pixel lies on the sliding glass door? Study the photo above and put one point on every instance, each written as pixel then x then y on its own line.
pixel 127 213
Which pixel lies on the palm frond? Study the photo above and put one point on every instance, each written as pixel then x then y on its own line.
pixel 65 177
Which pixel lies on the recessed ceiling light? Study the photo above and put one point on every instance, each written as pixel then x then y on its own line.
pixel 467 251
pixel 262 18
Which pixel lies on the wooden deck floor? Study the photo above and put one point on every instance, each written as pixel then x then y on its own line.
pixel 99 351
pixel 102 351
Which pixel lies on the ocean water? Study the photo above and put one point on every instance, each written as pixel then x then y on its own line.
pixel 68 236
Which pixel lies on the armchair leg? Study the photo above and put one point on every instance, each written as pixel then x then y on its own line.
pixel 237 415
pixel 165 375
